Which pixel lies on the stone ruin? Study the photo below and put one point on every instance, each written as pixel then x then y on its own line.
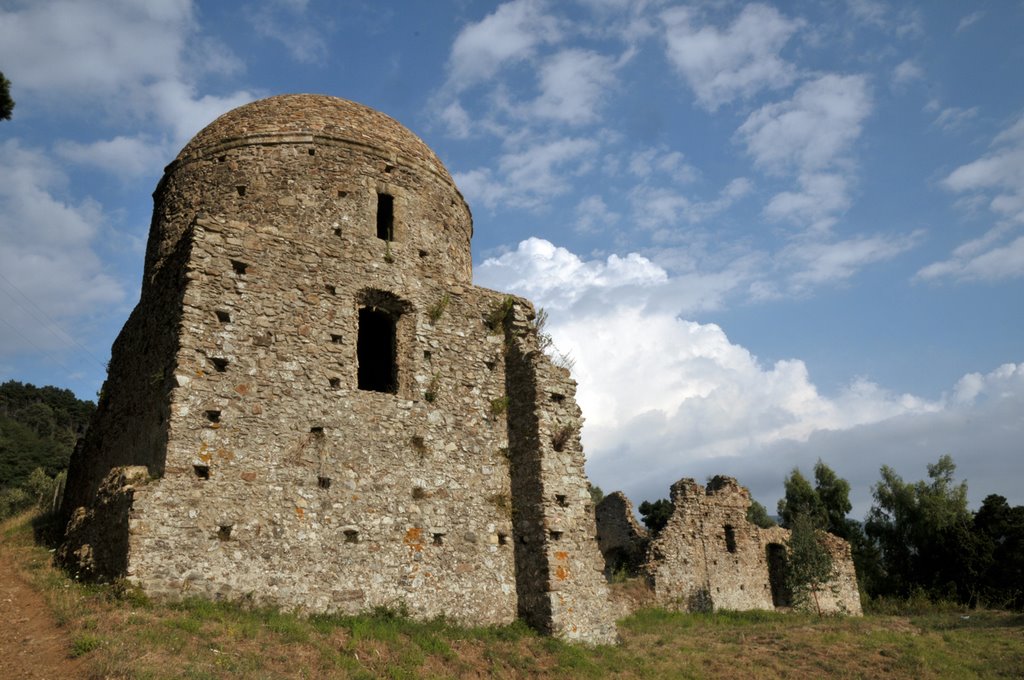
pixel 709 556
pixel 312 406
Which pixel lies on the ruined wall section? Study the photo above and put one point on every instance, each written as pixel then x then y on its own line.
pixel 623 542
pixel 708 556
pixel 130 424
pixel 559 570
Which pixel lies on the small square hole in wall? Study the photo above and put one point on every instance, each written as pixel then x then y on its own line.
pixel 557 398
pixel 427 354
pixel 241 190
pixel 560 499
pixel 502 539
pixel 312 152
pixel 323 482
pixel 556 535
pixel 331 290
pixel 220 364
pixel 239 267
pixel 224 532
pixel 202 471
pixel 418 493
pixel 389 168
pixel 317 430
pixel 438 539
pixel 490 365
pixel 423 253
pixel 351 536
pixel 336 339
pixel 342 193
pixel 213 416
pixel 222 159
pixel 335 383
pixel 337 231
pixel 223 316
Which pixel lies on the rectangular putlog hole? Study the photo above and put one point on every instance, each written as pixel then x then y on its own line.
pixel 239 267
pixel 438 539
pixel 240 189
pixel 351 536
pixel 222 316
pixel 335 383
pixel 220 364
pixel 556 535
pixel 323 482
pixel 213 416
pixel 202 471
pixel 561 500
pixel 224 532
pixel 336 339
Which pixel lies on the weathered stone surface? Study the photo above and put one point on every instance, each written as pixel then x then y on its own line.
pixel 334 418
pixel 710 557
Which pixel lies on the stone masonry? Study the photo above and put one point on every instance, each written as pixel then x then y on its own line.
pixel 312 405
pixel 710 557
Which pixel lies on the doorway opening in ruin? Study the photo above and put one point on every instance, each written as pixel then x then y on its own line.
pixel 776 554
pixel 386 217
pixel 376 351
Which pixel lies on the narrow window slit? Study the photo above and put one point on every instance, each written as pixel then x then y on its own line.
pixel 239 267
pixel 323 482
pixel 220 364
pixel 730 538
pixel 223 317
pixel 202 471
pixel 386 217
pixel 213 416
pixel 351 536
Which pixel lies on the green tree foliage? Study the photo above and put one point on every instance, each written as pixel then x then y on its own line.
pixel 924 531
pixel 801 500
pixel 809 564
pixel 757 514
pixel 38 430
pixel 999 554
pixel 656 515
pixel 596 494
pixel 6 103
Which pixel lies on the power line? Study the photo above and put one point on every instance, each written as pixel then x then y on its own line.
pixel 47 322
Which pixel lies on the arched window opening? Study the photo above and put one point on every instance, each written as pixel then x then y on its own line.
pixel 376 351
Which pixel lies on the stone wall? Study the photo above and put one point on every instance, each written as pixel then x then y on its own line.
pixel 623 542
pixel 340 421
pixel 709 557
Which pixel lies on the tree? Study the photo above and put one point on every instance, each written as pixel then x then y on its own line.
pixel 6 103
pixel 596 494
pixel 999 560
pixel 801 499
pixel 656 515
pixel 924 531
pixel 834 495
pixel 809 562
pixel 757 515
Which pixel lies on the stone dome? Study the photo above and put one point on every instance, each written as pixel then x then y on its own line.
pixel 297 117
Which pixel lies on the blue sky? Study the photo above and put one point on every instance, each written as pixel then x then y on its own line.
pixel 766 233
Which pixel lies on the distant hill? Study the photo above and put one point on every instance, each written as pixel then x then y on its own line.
pixel 38 429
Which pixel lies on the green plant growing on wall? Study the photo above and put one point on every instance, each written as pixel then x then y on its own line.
pixel 495 318
pixel 561 438
pixel 436 310
pixel 499 406
pixel 388 257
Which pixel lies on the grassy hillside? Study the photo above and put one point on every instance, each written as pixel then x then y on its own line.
pixel 117 633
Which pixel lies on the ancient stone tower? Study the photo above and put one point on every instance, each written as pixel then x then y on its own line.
pixel 313 406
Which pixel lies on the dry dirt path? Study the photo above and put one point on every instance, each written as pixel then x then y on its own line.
pixel 31 643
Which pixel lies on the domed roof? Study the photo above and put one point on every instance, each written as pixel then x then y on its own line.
pixel 290 115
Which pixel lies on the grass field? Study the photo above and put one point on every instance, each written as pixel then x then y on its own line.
pixel 117 633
